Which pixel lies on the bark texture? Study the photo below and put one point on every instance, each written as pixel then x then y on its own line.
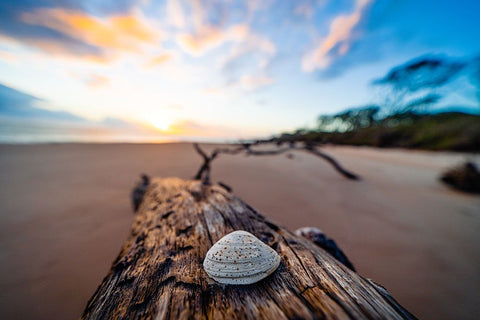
pixel 159 275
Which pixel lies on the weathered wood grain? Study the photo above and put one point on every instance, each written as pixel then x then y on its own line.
pixel 158 273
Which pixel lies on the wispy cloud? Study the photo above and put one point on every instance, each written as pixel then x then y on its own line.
pixel 246 53
pixel 253 82
pixel 305 9
pixel 97 81
pixel 159 60
pixel 248 62
pixel 7 56
pixel 253 43
pixel 210 37
pixel 338 40
pixel 205 54
pixel 175 15
pixel 109 35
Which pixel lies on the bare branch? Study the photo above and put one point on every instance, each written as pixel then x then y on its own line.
pixel 203 173
pixel 333 162
pixel 268 152
pixel 200 151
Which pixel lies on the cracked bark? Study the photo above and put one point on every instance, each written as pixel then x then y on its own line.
pixel 159 275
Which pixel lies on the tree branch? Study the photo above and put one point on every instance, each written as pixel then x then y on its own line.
pixel 333 162
pixel 203 173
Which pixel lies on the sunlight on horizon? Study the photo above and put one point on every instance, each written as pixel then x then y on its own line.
pixel 161 123
pixel 236 69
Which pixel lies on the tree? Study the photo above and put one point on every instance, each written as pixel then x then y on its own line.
pixel 351 119
pixel 419 84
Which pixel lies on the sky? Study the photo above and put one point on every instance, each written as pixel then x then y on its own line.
pixel 217 69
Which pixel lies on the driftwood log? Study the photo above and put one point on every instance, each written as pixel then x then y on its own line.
pixel 159 275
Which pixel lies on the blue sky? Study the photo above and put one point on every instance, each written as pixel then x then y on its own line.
pixel 223 69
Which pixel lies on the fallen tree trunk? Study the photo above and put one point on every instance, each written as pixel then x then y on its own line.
pixel 159 275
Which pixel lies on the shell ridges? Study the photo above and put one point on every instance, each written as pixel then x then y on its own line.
pixel 240 258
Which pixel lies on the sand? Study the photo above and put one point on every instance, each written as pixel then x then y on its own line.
pixel 65 213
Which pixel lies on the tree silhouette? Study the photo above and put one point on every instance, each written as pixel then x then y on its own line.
pixel 420 83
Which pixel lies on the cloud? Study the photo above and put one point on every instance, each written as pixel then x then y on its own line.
pixel 337 42
pixel 7 56
pixel 97 81
pixel 210 37
pixel 110 35
pixel 391 29
pixel 248 62
pixel 92 80
pixel 252 43
pixel 205 24
pixel 59 45
pixel 175 14
pixel 304 9
pixel 199 43
pixel 12 26
pixel 194 15
pixel 15 105
pixel 159 60
pixel 251 82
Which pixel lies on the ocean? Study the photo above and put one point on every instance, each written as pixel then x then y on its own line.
pixel 26 132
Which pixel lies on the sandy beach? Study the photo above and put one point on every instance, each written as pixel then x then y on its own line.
pixel 65 211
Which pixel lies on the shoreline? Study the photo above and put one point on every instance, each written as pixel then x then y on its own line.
pixel 223 143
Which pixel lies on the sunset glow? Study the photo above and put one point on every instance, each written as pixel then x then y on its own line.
pixel 227 69
pixel 161 123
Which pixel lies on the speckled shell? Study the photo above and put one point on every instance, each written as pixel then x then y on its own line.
pixel 240 258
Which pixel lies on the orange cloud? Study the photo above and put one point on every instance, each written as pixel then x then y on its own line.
pixel 96 81
pixel 7 56
pixel 339 34
pixel 209 37
pixel 159 60
pixel 119 33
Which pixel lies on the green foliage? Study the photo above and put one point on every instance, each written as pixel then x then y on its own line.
pixel 422 82
pixel 443 131
pixel 405 118
pixel 348 120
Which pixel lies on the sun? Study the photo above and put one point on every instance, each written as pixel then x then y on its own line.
pixel 161 123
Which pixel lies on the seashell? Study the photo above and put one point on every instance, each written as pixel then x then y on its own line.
pixel 240 258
